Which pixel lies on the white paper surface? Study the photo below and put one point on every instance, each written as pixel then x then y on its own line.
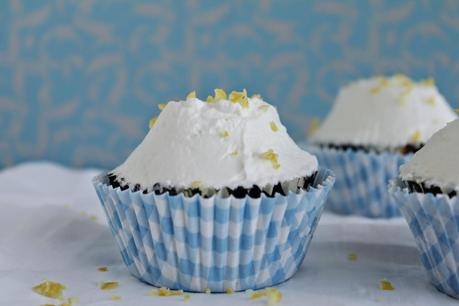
pixel 46 232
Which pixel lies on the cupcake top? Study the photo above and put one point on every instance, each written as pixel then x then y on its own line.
pixel 437 163
pixel 226 141
pixel 385 113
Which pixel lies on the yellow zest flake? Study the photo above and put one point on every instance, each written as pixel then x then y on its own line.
pixel 352 257
pixel 191 95
pixel 225 134
pixel 457 110
pixel 416 136
pixel 207 291
pixel 210 99
pixel 256 96
pixel 401 78
pixel 48 305
pixel 264 107
pixel 273 294
pixel 314 126
pixel 386 285
pixel 102 269
pixel 162 106
pixel 49 289
pixel 430 101
pixel 229 291
pixel 383 83
pixel 186 297
pixel 70 301
pixel 428 82
pixel 239 97
pixel 234 153
pixel 108 285
pixel 93 217
pixel 376 89
pixel 196 184
pixel 152 122
pixel 273 126
pixel 220 94
pixel 115 297
pixel 271 156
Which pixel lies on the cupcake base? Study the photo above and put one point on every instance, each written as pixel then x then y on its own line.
pixel 196 243
pixel 434 222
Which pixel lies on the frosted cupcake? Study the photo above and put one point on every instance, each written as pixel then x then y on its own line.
pixel 376 125
pixel 426 191
pixel 216 197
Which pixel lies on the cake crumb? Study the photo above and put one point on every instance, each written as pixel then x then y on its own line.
pixel 102 269
pixel 191 95
pixel 108 285
pixel 273 126
pixel 352 257
pixel 386 285
pixel 50 289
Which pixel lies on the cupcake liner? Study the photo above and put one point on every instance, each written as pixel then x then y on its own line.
pixel 361 181
pixel 434 222
pixel 196 243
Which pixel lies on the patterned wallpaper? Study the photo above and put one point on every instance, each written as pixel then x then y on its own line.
pixel 80 79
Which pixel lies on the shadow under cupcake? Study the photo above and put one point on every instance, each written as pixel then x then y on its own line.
pixel 375 126
pixel 426 192
pixel 217 197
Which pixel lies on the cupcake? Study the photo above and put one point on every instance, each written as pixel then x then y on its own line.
pixel 375 126
pixel 427 193
pixel 216 197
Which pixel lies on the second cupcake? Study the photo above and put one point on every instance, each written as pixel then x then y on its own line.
pixel 375 126
pixel 216 197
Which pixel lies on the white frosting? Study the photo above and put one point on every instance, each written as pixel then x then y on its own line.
pixel 437 163
pixel 188 145
pixel 385 113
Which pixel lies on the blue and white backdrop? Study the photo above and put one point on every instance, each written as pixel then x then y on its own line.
pixel 79 79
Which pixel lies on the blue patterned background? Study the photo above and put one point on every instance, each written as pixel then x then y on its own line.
pixel 80 79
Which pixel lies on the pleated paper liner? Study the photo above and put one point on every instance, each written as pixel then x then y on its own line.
pixel 218 243
pixel 434 222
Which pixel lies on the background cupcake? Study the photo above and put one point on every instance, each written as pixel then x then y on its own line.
pixel 217 196
pixel 375 125
pixel 427 194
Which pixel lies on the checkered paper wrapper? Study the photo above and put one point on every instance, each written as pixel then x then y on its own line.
pixel 196 243
pixel 361 181
pixel 434 222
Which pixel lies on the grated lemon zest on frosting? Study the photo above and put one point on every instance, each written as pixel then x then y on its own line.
pixel 239 97
pixel 428 82
pixel 271 156
pixel 352 257
pixel 152 122
pixel 220 94
pixel 115 297
pixel 210 99
pixel 386 285
pixel 273 126
pixel 264 107
pixel 50 289
pixel 225 134
pixel 313 126
pixel 416 136
pixel 234 153
pixel 383 83
pixel 108 285
pixel 162 106
pixel 191 95
pixel 229 291
pixel 430 101
pixel 102 269
pixel 256 96
pixel 196 184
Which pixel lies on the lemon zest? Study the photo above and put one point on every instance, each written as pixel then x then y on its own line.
pixel 386 285
pixel 271 156
pixel 152 122
pixel 416 136
pixel 273 126
pixel 50 289
pixel 102 269
pixel 108 285
pixel 191 95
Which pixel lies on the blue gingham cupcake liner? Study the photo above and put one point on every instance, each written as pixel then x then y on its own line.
pixel 361 181
pixel 197 243
pixel 434 222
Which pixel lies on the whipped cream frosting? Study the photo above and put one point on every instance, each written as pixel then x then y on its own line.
pixel 193 143
pixel 385 113
pixel 437 163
